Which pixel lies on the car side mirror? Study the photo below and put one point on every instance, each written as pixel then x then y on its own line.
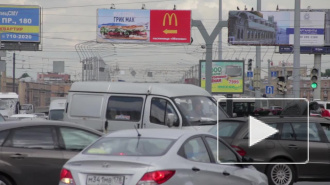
pixel 170 119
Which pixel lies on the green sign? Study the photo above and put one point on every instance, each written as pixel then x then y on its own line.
pixel 227 76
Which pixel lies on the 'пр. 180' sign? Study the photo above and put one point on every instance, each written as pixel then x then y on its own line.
pixel 143 26
pixel 227 76
pixel 20 23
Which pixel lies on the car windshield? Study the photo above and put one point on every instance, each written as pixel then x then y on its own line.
pixel 226 129
pixel 199 109
pixel 137 146
pixel 7 103
pixel 56 114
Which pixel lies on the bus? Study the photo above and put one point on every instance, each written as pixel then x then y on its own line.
pixel 9 104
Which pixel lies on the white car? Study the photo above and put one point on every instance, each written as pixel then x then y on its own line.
pixel 158 156
pixel 22 116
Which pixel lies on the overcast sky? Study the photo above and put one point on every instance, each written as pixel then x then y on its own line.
pixel 70 22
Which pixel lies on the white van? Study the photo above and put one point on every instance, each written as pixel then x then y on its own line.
pixel 9 104
pixel 56 109
pixel 109 106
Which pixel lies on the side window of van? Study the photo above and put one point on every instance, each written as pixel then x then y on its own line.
pixel 124 108
pixel 159 109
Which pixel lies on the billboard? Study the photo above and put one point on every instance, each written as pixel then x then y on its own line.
pixel 227 76
pixel 170 26
pixel 127 26
pixel 58 66
pixel 275 28
pixel 19 23
pixel 143 26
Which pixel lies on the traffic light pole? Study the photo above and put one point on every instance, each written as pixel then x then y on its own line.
pixel 317 65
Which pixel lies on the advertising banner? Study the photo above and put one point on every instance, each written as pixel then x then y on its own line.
pixel 19 23
pixel 126 26
pixel 227 76
pixel 170 26
pixel 143 26
pixel 275 28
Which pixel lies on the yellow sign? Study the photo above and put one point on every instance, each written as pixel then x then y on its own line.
pixel 170 23
pixel 170 31
pixel 170 19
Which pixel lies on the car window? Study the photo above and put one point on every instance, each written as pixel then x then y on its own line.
pixel 225 154
pixel 32 137
pixel 274 125
pixel 2 118
pixel 3 136
pixel 159 108
pixel 77 139
pixel 226 129
pixel 287 132
pixel 301 131
pixel 195 150
pixel 126 108
pixel 121 146
pixel 326 128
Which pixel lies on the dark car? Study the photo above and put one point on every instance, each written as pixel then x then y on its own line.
pixel 33 152
pixel 289 145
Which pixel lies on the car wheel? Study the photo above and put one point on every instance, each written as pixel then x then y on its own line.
pixel 5 181
pixel 281 174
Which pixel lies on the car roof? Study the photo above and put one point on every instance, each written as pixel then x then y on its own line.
pixel 17 124
pixel 280 119
pixel 163 89
pixel 156 133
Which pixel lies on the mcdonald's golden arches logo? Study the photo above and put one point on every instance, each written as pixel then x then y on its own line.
pixel 170 18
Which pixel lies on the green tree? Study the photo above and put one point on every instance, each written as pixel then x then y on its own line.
pixel 327 73
pixel 24 75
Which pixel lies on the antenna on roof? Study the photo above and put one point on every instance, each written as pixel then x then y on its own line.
pixel 137 131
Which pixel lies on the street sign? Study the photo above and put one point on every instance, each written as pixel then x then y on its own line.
pixel 273 74
pixel 249 74
pixel 269 89
pixel 170 26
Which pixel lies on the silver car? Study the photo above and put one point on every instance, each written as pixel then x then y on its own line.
pixel 158 156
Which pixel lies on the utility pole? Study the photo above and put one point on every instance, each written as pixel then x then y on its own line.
pixel 220 33
pixel 258 63
pixel 296 47
pixel 14 72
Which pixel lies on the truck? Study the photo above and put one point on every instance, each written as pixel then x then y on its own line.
pixel 9 104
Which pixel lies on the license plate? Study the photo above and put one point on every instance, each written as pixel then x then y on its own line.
pixel 105 180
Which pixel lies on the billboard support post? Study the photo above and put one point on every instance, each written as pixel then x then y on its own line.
pixel 317 65
pixel 209 39
pixel 296 47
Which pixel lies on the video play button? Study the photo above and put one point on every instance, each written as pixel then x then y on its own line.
pixel 259 131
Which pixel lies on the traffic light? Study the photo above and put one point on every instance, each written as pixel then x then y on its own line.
pixel 250 65
pixel 281 85
pixel 314 77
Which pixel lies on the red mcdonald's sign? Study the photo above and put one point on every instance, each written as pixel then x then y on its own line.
pixel 170 26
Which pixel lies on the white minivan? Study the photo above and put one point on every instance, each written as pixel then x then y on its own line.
pixel 109 106
pixel 56 109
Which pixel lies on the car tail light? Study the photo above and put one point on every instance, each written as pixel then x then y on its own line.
pixel 66 177
pixel 156 177
pixel 239 150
